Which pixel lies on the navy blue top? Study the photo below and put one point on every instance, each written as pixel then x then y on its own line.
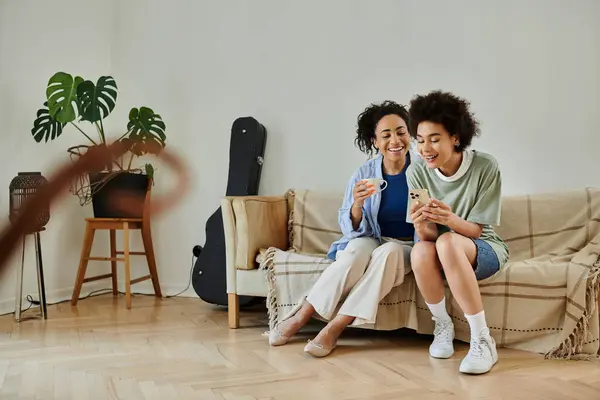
pixel 394 204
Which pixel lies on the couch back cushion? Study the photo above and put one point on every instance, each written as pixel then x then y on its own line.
pixel 313 223
pixel 531 225
pixel 560 223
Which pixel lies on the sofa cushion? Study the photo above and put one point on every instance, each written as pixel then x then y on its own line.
pixel 538 224
pixel 314 221
pixel 261 221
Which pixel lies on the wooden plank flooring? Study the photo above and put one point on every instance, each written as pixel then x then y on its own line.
pixel 181 348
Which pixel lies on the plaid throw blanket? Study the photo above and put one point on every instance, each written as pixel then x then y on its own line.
pixel 544 300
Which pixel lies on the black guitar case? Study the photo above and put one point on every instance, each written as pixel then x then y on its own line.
pixel 246 152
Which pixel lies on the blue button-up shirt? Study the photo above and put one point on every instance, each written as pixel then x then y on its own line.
pixel 369 227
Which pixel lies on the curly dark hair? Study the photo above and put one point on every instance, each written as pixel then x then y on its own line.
pixel 368 119
pixel 447 109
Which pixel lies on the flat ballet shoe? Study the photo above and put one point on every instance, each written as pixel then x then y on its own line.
pixel 317 350
pixel 276 338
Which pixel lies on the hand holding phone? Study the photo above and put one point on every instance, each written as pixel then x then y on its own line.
pixel 438 212
pixel 417 199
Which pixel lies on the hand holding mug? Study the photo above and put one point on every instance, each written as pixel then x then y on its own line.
pixel 361 191
pixel 365 188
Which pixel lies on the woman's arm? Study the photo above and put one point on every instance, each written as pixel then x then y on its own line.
pixel 465 228
pixel 485 211
pixel 441 213
pixel 426 231
pixel 351 216
pixel 356 215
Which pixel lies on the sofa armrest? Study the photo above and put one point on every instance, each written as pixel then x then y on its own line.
pixel 252 223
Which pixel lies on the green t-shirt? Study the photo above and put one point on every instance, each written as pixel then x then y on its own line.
pixel 473 193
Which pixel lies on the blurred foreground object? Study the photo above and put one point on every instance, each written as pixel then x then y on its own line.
pixel 94 160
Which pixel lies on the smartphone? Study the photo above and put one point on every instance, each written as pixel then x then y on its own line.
pixel 420 195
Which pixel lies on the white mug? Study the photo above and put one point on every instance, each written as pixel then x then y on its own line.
pixel 379 184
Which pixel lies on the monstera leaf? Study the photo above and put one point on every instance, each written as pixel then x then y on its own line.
pixel 62 96
pixel 97 101
pixel 146 127
pixel 46 127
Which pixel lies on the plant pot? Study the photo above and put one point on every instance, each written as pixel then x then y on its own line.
pixel 104 195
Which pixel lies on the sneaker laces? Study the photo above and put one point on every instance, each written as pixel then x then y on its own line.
pixel 441 332
pixel 478 344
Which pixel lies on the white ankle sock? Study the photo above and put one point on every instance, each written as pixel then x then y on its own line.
pixel 439 310
pixel 477 323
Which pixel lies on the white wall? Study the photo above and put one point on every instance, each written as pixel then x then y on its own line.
pixel 305 70
pixel 38 39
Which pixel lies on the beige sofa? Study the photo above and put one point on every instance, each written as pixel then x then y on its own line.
pixel 545 300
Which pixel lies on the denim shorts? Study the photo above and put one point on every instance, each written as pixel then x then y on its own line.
pixel 486 263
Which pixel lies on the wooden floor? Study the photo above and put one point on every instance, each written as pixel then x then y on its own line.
pixel 181 348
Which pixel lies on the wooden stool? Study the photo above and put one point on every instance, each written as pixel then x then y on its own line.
pixel 112 225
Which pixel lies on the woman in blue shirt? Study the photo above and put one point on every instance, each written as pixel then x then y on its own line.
pixel 373 256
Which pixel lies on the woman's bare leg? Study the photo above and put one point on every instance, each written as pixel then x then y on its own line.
pixel 427 269
pixel 290 326
pixel 329 335
pixel 428 276
pixel 458 255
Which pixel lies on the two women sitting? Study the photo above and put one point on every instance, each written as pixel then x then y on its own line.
pixel 449 237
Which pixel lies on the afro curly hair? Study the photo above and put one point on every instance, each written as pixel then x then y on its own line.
pixel 368 119
pixel 448 110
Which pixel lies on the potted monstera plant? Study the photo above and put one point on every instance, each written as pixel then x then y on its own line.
pixel 72 102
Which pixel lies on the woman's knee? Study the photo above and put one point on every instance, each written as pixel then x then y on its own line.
pixel 447 242
pixel 361 245
pixel 392 251
pixel 451 244
pixel 356 254
pixel 392 247
pixel 423 257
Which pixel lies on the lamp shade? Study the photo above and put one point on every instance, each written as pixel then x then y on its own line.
pixel 22 187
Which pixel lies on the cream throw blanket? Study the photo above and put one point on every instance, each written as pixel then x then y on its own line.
pixel 544 300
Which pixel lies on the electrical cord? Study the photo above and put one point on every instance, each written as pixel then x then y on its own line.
pixel 99 292
pixel 189 282
pixel 33 302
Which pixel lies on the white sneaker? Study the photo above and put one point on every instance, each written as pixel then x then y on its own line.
pixel 481 356
pixel 443 337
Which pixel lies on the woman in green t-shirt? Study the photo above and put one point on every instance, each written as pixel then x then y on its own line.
pixel 454 233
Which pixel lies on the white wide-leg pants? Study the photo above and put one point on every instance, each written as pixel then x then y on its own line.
pixel 364 273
